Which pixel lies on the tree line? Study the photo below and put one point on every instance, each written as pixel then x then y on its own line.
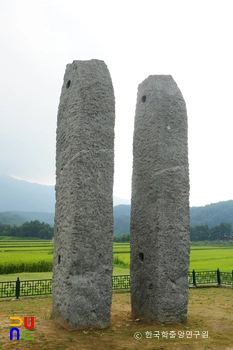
pixel 125 237
pixel 221 232
pixel 35 229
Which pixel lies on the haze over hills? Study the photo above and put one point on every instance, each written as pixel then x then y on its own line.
pixel 22 201
pixel 19 195
pixel 211 215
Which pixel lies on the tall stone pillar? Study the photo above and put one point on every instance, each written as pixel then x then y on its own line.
pixel 82 272
pixel 159 233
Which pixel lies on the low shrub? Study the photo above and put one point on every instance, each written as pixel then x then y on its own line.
pixel 40 266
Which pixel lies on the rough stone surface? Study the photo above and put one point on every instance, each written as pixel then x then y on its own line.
pixel 82 273
pixel 160 203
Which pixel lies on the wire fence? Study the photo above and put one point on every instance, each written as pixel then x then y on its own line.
pixel 17 289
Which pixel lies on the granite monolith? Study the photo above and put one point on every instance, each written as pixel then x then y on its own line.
pixel 159 228
pixel 83 230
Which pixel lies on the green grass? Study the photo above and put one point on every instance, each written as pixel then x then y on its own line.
pixel 211 259
pixel 121 248
pixel 202 258
pixel 43 275
pixel 122 257
pixel 25 276
pixel 11 238
pixel 26 245
pixel 24 257
pixel 120 271
pixel 21 261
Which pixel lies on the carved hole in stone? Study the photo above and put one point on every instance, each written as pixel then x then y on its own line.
pixel 68 84
pixel 141 256
pixel 144 98
pixel 59 259
pixel 150 285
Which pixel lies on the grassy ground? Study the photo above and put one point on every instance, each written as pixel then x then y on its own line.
pixel 43 275
pixel 209 326
pixel 202 258
pixel 211 258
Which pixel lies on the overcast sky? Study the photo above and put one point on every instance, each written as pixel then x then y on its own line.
pixel 191 40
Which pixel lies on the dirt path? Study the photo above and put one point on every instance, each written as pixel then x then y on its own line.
pixel 210 310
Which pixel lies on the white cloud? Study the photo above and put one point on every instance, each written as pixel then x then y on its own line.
pixel 190 40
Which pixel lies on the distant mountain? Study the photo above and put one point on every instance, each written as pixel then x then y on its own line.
pixel 121 209
pixel 212 214
pixel 19 195
pixel 117 201
pixel 22 201
pixel 19 217
pixel 121 219
pixel 12 218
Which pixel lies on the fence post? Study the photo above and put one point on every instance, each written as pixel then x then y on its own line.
pixel 17 289
pixel 218 277
pixel 194 278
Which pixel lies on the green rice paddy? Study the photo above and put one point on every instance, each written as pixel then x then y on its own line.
pixel 39 254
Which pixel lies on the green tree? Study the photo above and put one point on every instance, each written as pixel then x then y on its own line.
pixel 221 232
